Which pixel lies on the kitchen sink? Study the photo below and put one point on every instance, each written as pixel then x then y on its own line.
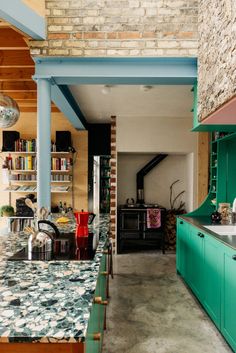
pixel 222 229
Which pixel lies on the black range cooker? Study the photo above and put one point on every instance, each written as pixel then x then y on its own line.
pixel 133 233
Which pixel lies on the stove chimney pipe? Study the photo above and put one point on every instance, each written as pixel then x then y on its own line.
pixel 144 171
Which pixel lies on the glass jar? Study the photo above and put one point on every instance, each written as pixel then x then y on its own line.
pixel 225 211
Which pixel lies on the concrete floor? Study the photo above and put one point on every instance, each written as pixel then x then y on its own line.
pixel 151 310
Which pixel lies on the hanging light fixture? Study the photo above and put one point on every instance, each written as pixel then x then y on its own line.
pixel 9 111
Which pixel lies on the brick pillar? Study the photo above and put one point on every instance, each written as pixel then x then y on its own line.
pixel 113 179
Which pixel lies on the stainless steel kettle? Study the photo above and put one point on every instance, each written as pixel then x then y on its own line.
pixel 41 242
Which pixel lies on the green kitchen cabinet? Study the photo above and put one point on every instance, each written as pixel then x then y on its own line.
pixel 103 277
pixel 201 255
pixel 95 330
pixel 212 274
pixel 181 251
pixel 195 262
pixel 228 315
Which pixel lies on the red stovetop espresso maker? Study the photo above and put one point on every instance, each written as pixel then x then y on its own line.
pixel 83 219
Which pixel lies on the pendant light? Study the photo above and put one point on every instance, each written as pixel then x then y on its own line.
pixel 9 111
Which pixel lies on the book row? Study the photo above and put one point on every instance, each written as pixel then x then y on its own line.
pixel 30 163
pixel 32 188
pixel 33 177
pixel 22 145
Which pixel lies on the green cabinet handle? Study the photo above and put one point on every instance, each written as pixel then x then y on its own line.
pixel 200 235
pixel 181 222
pixel 234 257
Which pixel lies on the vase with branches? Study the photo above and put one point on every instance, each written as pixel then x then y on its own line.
pixel 177 206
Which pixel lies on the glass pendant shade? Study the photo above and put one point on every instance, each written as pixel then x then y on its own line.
pixel 9 111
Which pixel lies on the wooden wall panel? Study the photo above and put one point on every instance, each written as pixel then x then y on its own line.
pixel 203 165
pixel 37 5
pixel 27 128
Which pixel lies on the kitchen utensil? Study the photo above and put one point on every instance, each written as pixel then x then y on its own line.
pixel 83 219
pixel 42 241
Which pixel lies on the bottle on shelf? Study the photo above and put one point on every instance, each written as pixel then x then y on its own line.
pixel 60 207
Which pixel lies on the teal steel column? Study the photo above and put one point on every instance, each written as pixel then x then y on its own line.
pixel 44 143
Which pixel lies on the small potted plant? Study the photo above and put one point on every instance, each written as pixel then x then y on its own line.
pixel 7 211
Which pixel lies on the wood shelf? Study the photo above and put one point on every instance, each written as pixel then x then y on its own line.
pixel 34 192
pixel 23 171
pixel 34 171
pixel 33 153
pixel 35 181
pixel 60 171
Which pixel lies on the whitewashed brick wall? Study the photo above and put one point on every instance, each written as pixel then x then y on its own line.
pixel 120 28
pixel 217 54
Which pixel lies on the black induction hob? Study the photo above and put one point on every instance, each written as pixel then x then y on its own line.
pixel 64 249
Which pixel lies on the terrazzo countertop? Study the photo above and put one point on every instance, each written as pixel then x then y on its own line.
pixel 39 301
pixel 202 221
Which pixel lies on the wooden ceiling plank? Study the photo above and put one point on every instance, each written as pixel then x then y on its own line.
pixel 34 109
pixel 11 39
pixel 16 57
pixel 17 66
pixel 12 73
pixel 23 94
pixel 22 86
pixel 13 48
pixel 15 80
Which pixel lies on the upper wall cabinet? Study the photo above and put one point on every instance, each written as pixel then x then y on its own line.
pixel 204 126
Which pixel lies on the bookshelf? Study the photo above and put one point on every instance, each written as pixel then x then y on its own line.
pixel 22 170
pixel 105 170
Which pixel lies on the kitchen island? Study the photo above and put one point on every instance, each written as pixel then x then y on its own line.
pixel 52 303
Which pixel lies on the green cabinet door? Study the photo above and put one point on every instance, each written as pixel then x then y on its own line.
pixel 228 317
pixel 92 345
pixel 181 244
pixel 195 264
pixel 212 274
pixel 103 294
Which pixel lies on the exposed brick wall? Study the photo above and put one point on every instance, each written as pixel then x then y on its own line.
pixel 120 28
pixel 217 54
pixel 113 178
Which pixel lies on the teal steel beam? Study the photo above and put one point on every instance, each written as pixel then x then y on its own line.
pixel 44 143
pixel 72 71
pixel 64 104
pixel 24 18
pixel 65 71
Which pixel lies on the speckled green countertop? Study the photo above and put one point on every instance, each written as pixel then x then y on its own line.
pixel 38 300
pixel 200 221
